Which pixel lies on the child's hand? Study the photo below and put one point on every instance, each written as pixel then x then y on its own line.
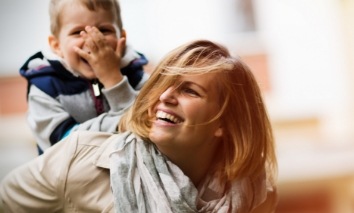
pixel 103 59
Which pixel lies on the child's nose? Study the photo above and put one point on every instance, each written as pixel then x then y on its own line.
pixel 169 96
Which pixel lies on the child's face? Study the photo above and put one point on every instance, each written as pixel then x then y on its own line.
pixel 74 19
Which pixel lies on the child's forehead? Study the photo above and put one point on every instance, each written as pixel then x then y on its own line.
pixel 104 6
pixel 79 14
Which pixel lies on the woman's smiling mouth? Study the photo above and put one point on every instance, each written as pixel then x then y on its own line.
pixel 160 115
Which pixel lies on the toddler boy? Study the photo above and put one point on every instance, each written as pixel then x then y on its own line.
pixel 91 78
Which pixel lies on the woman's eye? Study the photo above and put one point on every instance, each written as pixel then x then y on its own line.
pixel 190 92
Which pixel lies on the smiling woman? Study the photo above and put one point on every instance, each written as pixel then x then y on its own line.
pixel 224 126
pixel 197 139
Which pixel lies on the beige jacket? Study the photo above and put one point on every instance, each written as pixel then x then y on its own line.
pixel 72 176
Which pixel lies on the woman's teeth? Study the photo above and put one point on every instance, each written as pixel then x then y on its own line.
pixel 167 117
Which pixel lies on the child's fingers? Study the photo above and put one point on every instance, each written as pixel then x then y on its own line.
pixel 83 34
pixel 82 53
pixel 88 45
pixel 96 36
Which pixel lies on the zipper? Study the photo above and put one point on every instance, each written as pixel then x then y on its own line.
pixel 96 88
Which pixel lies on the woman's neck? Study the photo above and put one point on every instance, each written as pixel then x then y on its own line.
pixel 196 171
pixel 194 164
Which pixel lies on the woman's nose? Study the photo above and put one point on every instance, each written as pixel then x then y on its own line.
pixel 169 96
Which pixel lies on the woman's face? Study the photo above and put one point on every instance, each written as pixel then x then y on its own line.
pixel 182 113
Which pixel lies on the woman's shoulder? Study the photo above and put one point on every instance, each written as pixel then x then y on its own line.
pixel 91 138
pixel 100 144
pixel 96 138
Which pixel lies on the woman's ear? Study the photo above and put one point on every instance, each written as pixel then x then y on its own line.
pixel 218 132
pixel 55 45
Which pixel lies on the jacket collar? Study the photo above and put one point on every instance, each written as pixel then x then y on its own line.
pixel 101 158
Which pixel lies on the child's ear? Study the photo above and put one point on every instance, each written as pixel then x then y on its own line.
pixel 54 45
pixel 123 34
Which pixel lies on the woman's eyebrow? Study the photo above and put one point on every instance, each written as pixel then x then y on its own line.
pixel 193 83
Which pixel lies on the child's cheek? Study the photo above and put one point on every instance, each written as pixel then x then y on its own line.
pixel 112 41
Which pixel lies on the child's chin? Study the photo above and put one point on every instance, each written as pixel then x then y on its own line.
pixel 88 75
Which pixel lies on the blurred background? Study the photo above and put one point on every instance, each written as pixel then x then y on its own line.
pixel 301 51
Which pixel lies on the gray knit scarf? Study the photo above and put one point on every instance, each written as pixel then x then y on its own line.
pixel 145 181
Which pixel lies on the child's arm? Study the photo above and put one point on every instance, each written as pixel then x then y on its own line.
pixel 47 118
pixel 120 98
pixel 50 121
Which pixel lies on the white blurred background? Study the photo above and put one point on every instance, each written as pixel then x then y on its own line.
pixel 301 51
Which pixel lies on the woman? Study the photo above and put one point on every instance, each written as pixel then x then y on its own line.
pixel 197 139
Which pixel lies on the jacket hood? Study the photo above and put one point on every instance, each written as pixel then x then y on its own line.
pixel 38 65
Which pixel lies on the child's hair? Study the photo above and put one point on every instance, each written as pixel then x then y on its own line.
pixel 56 7
pixel 248 145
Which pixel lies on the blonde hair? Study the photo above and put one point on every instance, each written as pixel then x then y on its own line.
pixel 248 145
pixel 56 7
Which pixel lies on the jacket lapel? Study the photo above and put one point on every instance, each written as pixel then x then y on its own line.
pixel 101 158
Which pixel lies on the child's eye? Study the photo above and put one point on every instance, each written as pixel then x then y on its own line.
pixel 105 31
pixel 77 32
